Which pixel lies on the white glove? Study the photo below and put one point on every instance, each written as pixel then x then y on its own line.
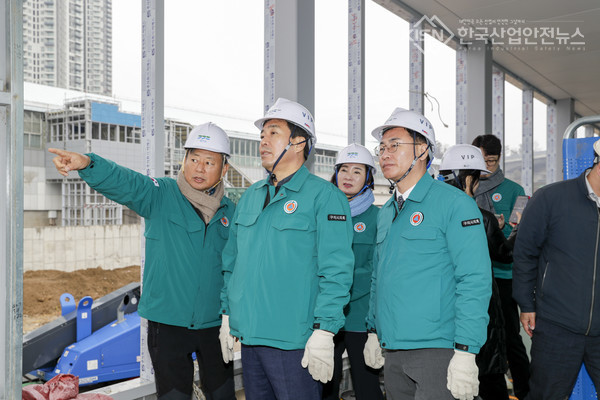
pixel 226 340
pixel 462 376
pixel 372 352
pixel 318 355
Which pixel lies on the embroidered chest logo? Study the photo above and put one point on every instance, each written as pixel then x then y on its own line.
pixel 496 197
pixel 290 206
pixel 225 222
pixel 416 218
pixel 360 227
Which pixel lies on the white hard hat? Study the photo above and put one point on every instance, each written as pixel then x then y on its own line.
pixel 463 156
pixel 292 112
pixel 597 147
pixel 208 137
pixel 355 153
pixel 408 119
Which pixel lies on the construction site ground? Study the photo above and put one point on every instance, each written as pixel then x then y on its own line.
pixel 42 290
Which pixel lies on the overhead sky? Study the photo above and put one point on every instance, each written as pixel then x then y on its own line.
pixel 214 64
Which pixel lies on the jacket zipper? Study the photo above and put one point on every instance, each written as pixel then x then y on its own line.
pixel 594 277
pixel 544 279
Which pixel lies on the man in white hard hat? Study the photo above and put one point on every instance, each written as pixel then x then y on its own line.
pixel 187 225
pixel 431 282
pixel 287 266
pixel 556 282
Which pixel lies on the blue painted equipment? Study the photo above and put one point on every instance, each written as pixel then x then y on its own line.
pixel 67 303
pixel 110 353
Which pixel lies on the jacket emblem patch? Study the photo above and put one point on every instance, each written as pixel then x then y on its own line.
pixel 360 227
pixel 416 218
pixel 471 222
pixel 290 206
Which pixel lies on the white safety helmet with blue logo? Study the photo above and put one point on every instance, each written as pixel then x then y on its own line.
pixel 355 153
pixel 209 137
pixel 292 112
pixel 402 118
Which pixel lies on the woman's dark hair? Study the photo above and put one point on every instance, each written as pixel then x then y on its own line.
pixel 461 179
pixel 370 179
pixel 298 131
pixel 490 144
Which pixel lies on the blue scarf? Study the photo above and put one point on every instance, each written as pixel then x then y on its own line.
pixel 361 203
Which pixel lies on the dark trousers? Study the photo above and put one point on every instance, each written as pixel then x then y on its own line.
pixel 275 374
pixel 556 357
pixel 171 349
pixel 493 387
pixel 518 362
pixel 417 374
pixel 365 380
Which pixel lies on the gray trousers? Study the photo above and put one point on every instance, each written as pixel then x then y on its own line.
pixel 420 374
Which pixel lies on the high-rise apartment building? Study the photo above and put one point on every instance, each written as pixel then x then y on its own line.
pixel 68 44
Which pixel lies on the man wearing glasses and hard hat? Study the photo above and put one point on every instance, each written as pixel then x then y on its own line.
pixel 187 225
pixel 431 281
pixel 287 266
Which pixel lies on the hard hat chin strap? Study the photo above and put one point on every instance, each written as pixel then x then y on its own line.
pixel 272 171
pixel 290 144
pixel 210 191
pixel 365 186
pixel 412 165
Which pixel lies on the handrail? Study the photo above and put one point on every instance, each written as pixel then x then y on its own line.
pixel 579 122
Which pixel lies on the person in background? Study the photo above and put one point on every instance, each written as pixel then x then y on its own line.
pixel 287 266
pixel 461 167
pixel 557 282
pixel 497 195
pixel 431 282
pixel 187 225
pixel 354 176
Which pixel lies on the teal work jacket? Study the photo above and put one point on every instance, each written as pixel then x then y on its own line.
pixel 288 265
pixel 182 274
pixel 431 282
pixel 503 198
pixel 363 246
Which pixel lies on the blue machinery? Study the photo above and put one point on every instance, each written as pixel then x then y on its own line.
pixel 88 341
pixel 578 155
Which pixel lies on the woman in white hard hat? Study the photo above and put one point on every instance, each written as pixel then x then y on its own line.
pixel 354 176
pixel 187 225
pixel 461 167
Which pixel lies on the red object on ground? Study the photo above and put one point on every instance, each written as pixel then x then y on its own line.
pixel 61 387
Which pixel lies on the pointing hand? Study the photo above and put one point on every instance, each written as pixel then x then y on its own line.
pixel 66 161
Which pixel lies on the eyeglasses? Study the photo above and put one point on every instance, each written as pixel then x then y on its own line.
pixel 391 148
pixel 492 161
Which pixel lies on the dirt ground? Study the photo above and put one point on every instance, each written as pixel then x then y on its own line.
pixel 42 290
